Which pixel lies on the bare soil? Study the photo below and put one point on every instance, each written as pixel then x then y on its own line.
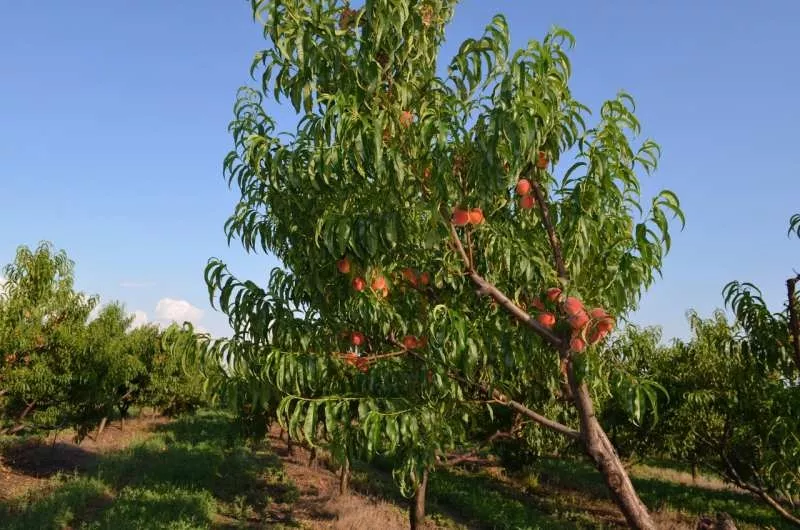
pixel 28 464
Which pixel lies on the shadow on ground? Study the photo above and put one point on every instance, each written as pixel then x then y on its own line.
pixel 195 472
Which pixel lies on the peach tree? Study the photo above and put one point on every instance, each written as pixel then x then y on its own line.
pixel 453 239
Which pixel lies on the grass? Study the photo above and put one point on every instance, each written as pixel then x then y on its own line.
pixel 664 494
pixel 193 473
pixel 198 472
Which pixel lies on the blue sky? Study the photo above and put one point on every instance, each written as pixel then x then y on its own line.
pixel 113 121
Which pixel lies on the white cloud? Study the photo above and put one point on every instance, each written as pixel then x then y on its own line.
pixel 169 309
pixel 135 285
pixel 139 319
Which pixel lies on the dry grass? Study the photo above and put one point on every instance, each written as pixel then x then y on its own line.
pixel 28 463
pixel 681 477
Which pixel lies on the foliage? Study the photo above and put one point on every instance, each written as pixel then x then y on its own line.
pixel 60 369
pixel 391 172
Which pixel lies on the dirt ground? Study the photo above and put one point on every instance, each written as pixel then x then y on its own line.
pixel 321 507
pixel 29 464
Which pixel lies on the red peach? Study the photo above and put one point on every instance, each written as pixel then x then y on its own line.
pixel 573 306
pixel 343 265
pixel 359 284
pixel 424 278
pixel 538 304
pixel 606 324
pixel 379 283
pixel 597 335
pixel 523 187
pixel 476 216
pixel 579 320
pixel 548 320
pixel 410 276
pixel 553 293
pixel 460 217
pixel 527 202
pixel 357 338
pixel 409 342
pixel 577 344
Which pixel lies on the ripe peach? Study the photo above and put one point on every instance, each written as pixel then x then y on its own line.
pixel 527 202
pixel 476 216
pixel 598 313
pixel 577 344
pixel 538 304
pixel 357 338
pixel 548 320
pixel 378 283
pixel 383 293
pixel 597 335
pixel 542 161
pixel 359 284
pixel 409 342
pixel 460 217
pixel 579 320
pixel 410 276
pixel 523 187
pixel 426 174
pixel 343 265
pixel 553 293
pixel 424 278
pixel 406 119
pixel 573 306
pixel 606 324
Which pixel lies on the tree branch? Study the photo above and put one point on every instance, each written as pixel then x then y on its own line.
pixel 486 288
pixel 794 323
pixel 514 405
pixel 555 244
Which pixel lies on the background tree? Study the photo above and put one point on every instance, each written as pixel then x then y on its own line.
pixel 41 329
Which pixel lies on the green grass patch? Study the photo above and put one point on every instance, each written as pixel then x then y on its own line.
pixel 191 474
pixel 661 494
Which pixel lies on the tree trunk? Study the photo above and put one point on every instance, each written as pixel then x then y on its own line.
pixel 289 444
pixel 344 477
pixel 100 429
pixel 694 471
pixel 416 510
pixel 599 448
pixel 312 458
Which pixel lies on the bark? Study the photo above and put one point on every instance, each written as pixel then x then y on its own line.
pixel 794 322
pixel 19 426
pixel 312 457
pixel 775 505
pixel 100 428
pixel 344 477
pixel 289 444
pixel 598 447
pixel 595 441
pixel 416 510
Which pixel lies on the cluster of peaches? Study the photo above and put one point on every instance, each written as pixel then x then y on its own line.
pixel 474 216
pixel 357 339
pixel 379 284
pixel 588 327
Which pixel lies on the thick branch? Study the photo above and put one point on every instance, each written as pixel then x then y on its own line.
pixel 794 323
pixel 555 244
pixel 486 288
pixel 519 407
pixel 759 491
